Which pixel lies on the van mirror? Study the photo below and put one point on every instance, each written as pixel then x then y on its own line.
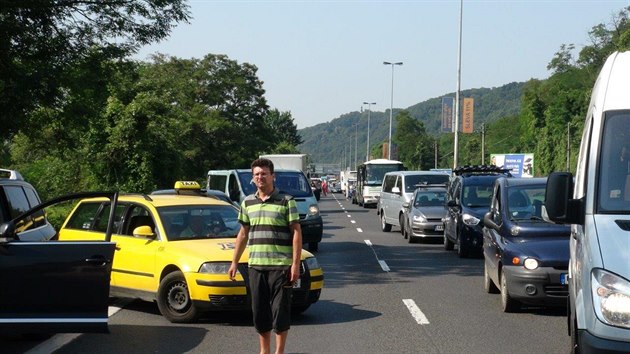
pixel 560 206
pixel 488 221
pixel 405 205
pixel 396 190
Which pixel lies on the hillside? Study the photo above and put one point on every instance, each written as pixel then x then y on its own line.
pixel 326 142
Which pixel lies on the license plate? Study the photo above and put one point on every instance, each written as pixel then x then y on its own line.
pixel 297 283
pixel 439 228
pixel 564 280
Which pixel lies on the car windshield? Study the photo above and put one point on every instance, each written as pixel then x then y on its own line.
pixel 475 196
pixel 429 199
pixel 187 222
pixel 293 183
pixel 614 169
pixel 412 181
pixel 526 202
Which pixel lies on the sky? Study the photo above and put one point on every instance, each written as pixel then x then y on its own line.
pixel 321 59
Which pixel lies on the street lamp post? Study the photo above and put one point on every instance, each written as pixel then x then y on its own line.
pixel 367 149
pixel 356 141
pixel 391 110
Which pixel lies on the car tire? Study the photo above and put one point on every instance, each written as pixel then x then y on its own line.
pixel 406 233
pixel 385 227
pixel 448 244
pixel 508 304
pixel 401 222
pixel 173 299
pixel 462 251
pixel 488 284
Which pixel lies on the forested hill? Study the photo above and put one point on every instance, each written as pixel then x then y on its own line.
pixel 330 142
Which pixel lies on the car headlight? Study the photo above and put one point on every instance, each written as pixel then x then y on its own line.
pixel 215 267
pixel 470 220
pixel 419 218
pixel 611 298
pixel 530 263
pixel 313 210
pixel 312 263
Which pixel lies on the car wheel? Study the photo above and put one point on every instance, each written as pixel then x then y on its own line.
pixel 313 246
pixel 462 251
pixel 405 230
pixel 299 308
pixel 401 222
pixel 488 284
pixel 385 227
pixel 448 244
pixel 508 304
pixel 174 300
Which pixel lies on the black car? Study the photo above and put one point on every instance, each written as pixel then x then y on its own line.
pixel 48 286
pixel 526 256
pixel 468 199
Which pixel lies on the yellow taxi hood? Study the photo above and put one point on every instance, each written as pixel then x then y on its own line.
pixel 217 250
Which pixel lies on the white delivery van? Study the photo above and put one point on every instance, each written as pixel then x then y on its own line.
pixel 238 184
pixel 597 204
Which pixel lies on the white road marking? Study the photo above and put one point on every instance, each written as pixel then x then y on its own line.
pixel 368 242
pixel 352 221
pixel 384 265
pixel 349 215
pixel 420 318
pixel 359 229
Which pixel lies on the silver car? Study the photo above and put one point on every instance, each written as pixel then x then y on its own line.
pixel 422 215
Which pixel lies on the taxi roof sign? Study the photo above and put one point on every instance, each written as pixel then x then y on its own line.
pixel 187 185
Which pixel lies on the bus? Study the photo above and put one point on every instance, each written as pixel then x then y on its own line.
pixel 370 178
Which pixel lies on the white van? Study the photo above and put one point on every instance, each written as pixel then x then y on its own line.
pixel 597 205
pixel 398 188
pixel 238 185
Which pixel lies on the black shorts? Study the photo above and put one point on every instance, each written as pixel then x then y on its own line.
pixel 271 299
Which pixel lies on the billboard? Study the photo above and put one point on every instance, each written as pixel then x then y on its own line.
pixel 467 121
pixel 520 165
pixel 447 114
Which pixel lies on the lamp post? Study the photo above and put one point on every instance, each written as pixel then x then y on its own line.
pixel 367 149
pixel 459 79
pixel 391 110
pixel 356 140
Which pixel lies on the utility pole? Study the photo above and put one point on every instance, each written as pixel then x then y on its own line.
pixel 568 146
pixel 483 143
pixel 436 153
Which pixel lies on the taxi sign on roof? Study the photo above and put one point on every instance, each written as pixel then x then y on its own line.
pixel 189 185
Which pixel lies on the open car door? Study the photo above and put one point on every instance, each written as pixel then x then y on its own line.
pixel 54 286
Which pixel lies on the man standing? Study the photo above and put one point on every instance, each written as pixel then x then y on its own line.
pixel 270 226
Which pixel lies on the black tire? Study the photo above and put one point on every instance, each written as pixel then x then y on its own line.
pixel 385 227
pixel 488 284
pixel 448 244
pixel 405 231
pixel 508 304
pixel 313 246
pixel 401 222
pixel 174 300
pixel 462 251
pixel 575 345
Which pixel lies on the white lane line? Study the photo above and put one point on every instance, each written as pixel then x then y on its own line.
pixel 368 242
pixel 345 211
pixel 349 215
pixel 352 221
pixel 359 229
pixel 383 265
pixel 420 318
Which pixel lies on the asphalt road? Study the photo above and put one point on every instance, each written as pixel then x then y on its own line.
pixel 381 295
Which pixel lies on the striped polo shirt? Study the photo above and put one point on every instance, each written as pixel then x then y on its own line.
pixel 270 240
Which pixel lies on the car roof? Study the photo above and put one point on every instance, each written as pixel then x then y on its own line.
pixel 161 200
pixel 416 173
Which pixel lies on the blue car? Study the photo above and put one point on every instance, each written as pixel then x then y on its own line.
pixel 526 256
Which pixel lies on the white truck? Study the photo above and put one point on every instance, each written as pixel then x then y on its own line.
pixel 597 205
pixel 344 176
pixel 289 162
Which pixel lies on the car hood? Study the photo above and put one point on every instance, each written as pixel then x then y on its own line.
pixel 551 250
pixel 614 243
pixel 435 212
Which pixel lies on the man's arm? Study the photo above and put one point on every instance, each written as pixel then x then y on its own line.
pixel 296 231
pixel 239 248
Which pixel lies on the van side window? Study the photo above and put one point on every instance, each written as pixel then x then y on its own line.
pixel 399 184
pixel 614 168
pixel 217 182
pixel 233 189
pixel 388 183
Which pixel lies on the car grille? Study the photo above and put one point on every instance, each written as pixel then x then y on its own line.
pixel 557 290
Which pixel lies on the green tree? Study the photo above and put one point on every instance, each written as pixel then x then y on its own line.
pixel 283 130
pixel 415 147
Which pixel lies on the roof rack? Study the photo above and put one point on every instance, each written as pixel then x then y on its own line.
pixel 10 174
pixel 480 170
pixel 427 185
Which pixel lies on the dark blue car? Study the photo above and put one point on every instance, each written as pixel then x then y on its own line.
pixel 526 256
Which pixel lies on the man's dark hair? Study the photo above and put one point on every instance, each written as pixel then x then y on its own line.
pixel 263 162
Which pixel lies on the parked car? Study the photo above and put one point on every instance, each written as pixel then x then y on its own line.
pixel 49 286
pixel 422 217
pixel 526 257
pixel 176 250
pixel 397 188
pixel 468 199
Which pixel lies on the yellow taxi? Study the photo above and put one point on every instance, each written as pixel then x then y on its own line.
pixel 176 249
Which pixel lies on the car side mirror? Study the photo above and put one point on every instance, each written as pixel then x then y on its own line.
pixel 405 205
pixel 7 231
pixel 396 190
pixel 143 232
pixel 489 222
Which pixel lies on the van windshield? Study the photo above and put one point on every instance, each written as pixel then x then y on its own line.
pixel 290 182
pixel 412 181
pixel 614 169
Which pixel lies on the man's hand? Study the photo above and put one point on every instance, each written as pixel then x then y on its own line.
pixel 295 273
pixel 232 271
